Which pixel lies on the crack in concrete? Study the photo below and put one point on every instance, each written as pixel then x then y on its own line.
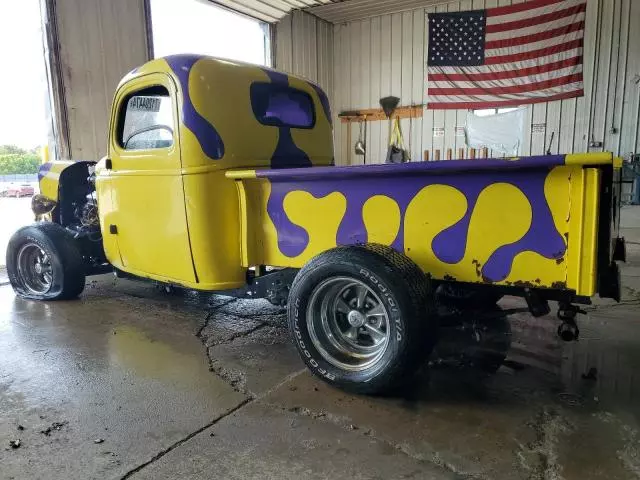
pixel 548 425
pixel 210 313
pixel 239 386
pixel 628 303
pixel 235 378
pixel 237 335
pixel 345 423
pixel 185 439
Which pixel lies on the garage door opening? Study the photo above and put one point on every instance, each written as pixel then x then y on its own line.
pixel 197 26
pixel 24 118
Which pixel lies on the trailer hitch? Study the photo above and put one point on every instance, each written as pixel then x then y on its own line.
pixel 568 329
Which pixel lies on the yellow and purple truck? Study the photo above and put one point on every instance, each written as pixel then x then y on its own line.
pixel 220 177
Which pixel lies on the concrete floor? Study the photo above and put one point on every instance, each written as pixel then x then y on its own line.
pixel 15 213
pixel 128 382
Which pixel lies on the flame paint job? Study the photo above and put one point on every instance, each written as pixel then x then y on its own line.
pixel 218 128
pixel 49 176
pixel 503 221
pixel 450 244
pixel 287 154
pixel 208 137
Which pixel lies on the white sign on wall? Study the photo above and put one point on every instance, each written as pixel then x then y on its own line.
pixel 538 128
pixel 438 131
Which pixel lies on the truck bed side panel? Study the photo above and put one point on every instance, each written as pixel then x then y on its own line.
pixel 534 224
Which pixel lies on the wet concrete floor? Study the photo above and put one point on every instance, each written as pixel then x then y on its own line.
pixel 129 382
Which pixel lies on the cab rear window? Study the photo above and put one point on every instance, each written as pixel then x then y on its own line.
pixel 282 106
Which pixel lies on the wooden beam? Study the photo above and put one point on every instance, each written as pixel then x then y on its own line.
pixel 377 114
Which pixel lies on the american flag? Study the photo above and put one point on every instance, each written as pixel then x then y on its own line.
pixel 506 56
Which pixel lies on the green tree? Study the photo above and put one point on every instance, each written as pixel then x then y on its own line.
pixel 11 150
pixel 19 164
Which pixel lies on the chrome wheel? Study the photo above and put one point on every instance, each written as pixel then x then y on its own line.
pixel 348 324
pixel 34 269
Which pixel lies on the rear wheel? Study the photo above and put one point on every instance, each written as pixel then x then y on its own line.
pixel 43 263
pixel 361 317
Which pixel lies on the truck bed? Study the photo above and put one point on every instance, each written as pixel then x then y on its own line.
pixel 528 221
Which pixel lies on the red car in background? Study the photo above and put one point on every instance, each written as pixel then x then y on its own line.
pixel 24 190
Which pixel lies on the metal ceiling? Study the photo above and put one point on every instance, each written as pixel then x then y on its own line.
pixel 334 11
pixel 350 10
pixel 270 10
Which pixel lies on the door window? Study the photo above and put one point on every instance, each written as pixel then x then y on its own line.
pixel 147 120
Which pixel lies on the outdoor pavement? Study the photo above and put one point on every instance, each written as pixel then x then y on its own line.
pixel 130 382
pixel 14 213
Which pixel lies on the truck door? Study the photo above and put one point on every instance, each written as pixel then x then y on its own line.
pixel 147 196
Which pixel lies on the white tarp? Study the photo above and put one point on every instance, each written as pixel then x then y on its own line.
pixel 503 132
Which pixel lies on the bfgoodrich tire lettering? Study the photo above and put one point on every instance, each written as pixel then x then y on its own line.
pixel 65 263
pixel 393 300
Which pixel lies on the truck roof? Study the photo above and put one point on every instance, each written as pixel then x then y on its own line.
pixel 157 65
pixel 243 115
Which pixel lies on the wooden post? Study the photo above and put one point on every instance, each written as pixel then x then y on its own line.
pixel 449 153
pixel 472 154
pixel 426 155
pixel 485 152
pixel 460 153
pixel 348 159
pixel 436 154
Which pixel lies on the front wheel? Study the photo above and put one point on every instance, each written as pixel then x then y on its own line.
pixel 43 263
pixel 361 317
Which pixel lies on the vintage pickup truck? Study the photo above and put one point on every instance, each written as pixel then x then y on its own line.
pixel 220 177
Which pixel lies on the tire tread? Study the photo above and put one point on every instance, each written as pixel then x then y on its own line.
pixel 73 272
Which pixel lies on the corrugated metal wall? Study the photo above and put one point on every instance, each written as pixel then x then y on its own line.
pixel 385 56
pixel 98 43
pixel 304 46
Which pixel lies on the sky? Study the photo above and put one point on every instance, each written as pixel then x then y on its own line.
pixel 179 26
pixel 23 87
pixel 195 26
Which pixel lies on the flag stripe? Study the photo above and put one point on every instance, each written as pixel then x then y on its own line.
pixel 520 7
pixel 533 10
pixel 506 67
pixel 512 96
pixel 527 87
pixel 520 83
pixel 536 20
pixel 507 56
pixel 522 32
pixel 534 53
pixel 534 47
pixel 549 34
pixel 437 105
pixel 508 96
pixel 524 72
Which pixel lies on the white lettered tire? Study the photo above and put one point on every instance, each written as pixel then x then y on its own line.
pixel 362 317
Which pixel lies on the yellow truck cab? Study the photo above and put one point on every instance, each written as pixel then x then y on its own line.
pixel 219 177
